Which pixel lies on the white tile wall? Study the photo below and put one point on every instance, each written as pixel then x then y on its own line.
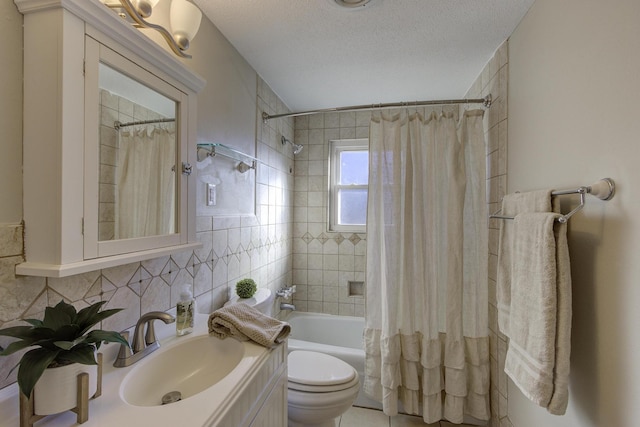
pixel 323 261
pixel 494 80
pixel 233 248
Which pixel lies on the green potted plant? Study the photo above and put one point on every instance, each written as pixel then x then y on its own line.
pixel 63 338
pixel 245 288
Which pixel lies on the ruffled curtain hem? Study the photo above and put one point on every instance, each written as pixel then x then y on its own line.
pixel 437 378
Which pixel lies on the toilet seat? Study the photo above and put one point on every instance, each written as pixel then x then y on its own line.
pixel 314 372
pixel 323 389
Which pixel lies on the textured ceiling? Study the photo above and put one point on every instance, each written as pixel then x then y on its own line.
pixel 314 54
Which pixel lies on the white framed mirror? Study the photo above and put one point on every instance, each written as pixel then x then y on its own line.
pixel 138 162
pixel 133 158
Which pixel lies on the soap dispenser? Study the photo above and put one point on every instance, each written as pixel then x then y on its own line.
pixel 185 310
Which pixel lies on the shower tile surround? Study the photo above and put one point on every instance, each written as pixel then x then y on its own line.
pixel 494 80
pixel 324 262
pixel 257 246
pixel 287 242
pixel 322 280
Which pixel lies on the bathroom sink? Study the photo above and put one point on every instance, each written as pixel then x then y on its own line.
pixel 188 368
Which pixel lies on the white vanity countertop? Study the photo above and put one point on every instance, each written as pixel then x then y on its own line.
pixel 111 410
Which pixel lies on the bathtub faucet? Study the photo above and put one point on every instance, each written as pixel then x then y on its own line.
pixel 286 292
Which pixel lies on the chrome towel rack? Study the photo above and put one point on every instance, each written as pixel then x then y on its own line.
pixel 213 149
pixel 603 189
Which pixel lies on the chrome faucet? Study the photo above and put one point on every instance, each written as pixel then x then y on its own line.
pixel 285 306
pixel 286 293
pixel 144 343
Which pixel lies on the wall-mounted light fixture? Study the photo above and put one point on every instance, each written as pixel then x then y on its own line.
pixel 184 20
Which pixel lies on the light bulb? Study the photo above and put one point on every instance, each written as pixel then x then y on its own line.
pixel 145 7
pixel 185 22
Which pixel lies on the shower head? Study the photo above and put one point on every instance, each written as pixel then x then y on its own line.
pixel 297 148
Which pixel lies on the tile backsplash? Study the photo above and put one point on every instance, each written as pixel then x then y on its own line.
pixel 257 246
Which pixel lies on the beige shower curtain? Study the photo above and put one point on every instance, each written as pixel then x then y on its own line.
pixel 145 203
pixel 426 337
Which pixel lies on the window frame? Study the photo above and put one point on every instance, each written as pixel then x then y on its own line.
pixel 335 148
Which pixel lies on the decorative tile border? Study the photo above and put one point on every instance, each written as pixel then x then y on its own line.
pixel 259 246
pixel 336 237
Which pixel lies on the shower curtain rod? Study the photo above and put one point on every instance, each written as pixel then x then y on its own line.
pixel 117 124
pixel 486 101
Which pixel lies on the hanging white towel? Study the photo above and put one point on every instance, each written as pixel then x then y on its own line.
pixel 512 205
pixel 540 320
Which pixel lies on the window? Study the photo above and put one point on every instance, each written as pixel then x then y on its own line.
pixel 348 185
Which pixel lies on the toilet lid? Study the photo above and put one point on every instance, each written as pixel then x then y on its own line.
pixel 318 369
pixel 258 298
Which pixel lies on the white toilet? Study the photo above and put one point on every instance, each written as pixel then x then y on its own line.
pixel 321 388
pixel 262 301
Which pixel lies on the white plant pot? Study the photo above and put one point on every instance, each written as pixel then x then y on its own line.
pixel 57 389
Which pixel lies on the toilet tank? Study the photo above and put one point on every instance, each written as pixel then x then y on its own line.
pixel 262 301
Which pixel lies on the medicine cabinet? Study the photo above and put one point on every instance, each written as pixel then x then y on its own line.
pixel 109 137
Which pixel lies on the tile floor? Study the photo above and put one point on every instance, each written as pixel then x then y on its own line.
pixel 359 417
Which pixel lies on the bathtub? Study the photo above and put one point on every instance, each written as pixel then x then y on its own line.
pixel 339 336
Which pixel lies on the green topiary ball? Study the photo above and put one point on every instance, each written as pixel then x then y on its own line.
pixel 245 288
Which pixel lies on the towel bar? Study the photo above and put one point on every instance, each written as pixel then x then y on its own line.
pixel 603 189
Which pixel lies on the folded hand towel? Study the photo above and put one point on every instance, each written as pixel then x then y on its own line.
pixel 244 323
pixel 512 205
pixel 540 320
